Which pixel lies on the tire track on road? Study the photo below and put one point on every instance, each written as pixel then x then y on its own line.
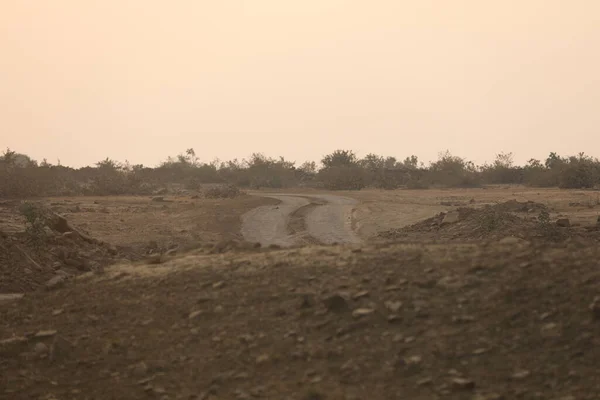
pixel 301 219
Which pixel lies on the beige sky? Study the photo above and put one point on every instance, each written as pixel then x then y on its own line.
pixel 82 80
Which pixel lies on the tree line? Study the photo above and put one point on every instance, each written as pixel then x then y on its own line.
pixel 21 176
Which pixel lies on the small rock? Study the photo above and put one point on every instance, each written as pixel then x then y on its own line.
pixel 195 314
pixel 263 358
pixel 57 312
pixel 336 303
pixel 158 199
pixel 45 334
pixel 424 381
pixel 393 306
pixel 551 330
pixel 510 241
pixel 218 285
pixel 451 217
pixel 545 316
pixel 10 297
pixel 563 222
pixel 171 253
pixel 41 348
pixel 398 338
pixel 360 295
pixel 595 307
pixel 56 282
pixel 394 318
pixel 522 374
pixel 463 384
pixel 414 359
pixel 361 312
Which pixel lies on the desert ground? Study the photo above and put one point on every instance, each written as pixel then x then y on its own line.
pixel 350 295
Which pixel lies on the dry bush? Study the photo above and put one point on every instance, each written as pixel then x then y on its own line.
pixel 452 171
pixel 343 178
pixel 22 177
pixel 223 192
pixel 579 174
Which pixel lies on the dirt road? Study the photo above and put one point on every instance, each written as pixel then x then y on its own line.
pixel 301 219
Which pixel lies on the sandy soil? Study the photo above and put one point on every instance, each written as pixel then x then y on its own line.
pixel 121 228
pixel 326 219
pixel 383 210
pixel 135 221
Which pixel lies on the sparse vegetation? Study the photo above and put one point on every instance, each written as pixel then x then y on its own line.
pixel 35 220
pixel 23 177
pixel 223 192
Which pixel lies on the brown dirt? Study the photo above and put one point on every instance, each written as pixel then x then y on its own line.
pixel 382 210
pixel 476 318
pixel 516 219
pixel 481 321
pixel 120 228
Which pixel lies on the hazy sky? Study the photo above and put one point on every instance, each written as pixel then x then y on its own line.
pixel 82 80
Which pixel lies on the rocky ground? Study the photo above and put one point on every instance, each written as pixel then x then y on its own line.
pixel 99 231
pixel 480 302
pixel 525 220
pixel 507 319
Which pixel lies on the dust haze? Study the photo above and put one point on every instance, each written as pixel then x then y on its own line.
pixel 137 80
pixel 318 200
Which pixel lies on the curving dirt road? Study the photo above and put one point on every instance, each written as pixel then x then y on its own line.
pixel 301 219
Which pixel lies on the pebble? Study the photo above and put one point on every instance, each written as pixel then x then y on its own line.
pixel 463 384
pixel 56 282
pixel 361 312
pixel 218 285
pixel 523 374
pixel 45 334
pixel 425 381
pixel 360 295
pixel 393 306
pixel 41 348
pixel 10 297
pixel 195 314
pixel 263 358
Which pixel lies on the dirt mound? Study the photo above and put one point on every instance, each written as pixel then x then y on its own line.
pixel 490 222
pixel 50 251
pixel 386 321
pixel 517 206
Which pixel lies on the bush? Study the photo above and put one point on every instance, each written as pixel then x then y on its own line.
pixel 453 171
pixel 35 220
pixel 579 174
pixel 223 192
pixel 22 177
pixel 342 178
